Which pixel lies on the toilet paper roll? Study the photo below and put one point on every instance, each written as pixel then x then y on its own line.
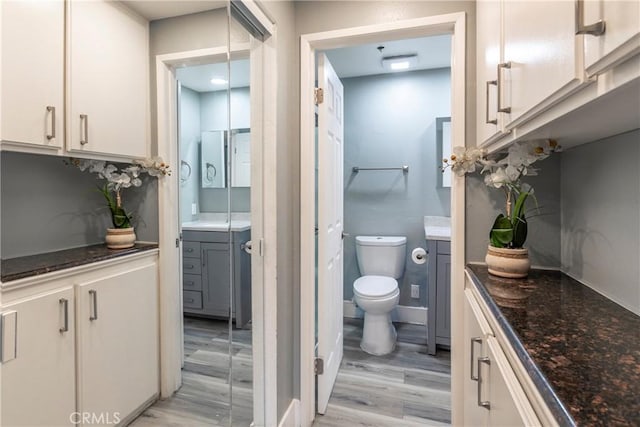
pixel 419 255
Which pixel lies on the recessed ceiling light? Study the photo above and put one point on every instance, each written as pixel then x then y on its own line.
pixel 218 81
pixel 399 62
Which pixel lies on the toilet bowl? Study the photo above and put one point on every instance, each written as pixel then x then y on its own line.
pixel 377 296
pixel 381 261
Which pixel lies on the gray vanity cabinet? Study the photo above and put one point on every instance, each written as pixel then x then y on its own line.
pixel 210 260
pixel 439 312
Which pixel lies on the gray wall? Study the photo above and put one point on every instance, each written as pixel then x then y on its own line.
pixel 190 136
pixel 390 120
pixel 49 206
pixel 601 217
pixel 484 204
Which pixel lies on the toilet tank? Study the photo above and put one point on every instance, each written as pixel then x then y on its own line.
pixel 381 255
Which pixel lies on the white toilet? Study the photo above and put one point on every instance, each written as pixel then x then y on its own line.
pixel 381 261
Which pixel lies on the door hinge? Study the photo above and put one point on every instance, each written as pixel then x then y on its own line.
pixel 318 366
pixel 318 95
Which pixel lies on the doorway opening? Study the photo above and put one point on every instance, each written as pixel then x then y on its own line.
pixel 394 141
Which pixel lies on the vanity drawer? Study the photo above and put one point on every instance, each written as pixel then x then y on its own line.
pixel 192 299
pixel 191 282
pixel 191 266
pixel 191 249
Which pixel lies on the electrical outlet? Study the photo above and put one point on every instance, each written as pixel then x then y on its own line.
pixel 415 291
pixel 194 209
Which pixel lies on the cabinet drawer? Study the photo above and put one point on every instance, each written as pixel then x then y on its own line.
pixel 192 282
pixel 191 249
pixel 206 236
pixel 444 247
pixel 192 299
pixel 191 266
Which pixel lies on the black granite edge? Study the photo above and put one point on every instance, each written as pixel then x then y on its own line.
pixel 35 265
pixel 545 388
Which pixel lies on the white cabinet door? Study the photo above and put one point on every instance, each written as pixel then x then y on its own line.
pixel 108 80
pixel 621 36
pixel 509 406
pixel 38 386
pixel 540 48
pixel 117 320
pixel 31 73
pixel 489 48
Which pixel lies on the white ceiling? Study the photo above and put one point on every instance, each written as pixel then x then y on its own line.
pixel 159 9
pixel 199 77
pixel 366 60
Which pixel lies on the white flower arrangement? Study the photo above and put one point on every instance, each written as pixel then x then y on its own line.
pixel 120 178
pixel 506 172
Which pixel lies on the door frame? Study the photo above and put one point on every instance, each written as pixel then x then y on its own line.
pixel 453 24
pixel 263 81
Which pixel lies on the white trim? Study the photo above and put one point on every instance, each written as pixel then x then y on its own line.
pixel 442 24
pixel 402 313
pixel 291 417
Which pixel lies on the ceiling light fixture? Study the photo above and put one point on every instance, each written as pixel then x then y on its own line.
pixel 399 62
pixel 218 81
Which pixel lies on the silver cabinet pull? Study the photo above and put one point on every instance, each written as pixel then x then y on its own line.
pixel 84 133
pixel 502 109
pixel 596 29
pixel 473 358
pixel 52 110
pixel 486 104
pixel 94 297
pixel 189 250
pixel 189 266
pixel 483 403
pixel 65 307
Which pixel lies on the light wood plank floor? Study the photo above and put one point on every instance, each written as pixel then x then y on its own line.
pixel 405 388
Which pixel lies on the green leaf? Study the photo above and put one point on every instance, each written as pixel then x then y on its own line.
pixel 519 232
pixel 502 232
pixel 518 210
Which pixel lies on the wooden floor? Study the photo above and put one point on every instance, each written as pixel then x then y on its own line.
pixel 405 388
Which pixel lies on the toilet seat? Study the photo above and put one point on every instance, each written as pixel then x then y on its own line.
pixel 375 287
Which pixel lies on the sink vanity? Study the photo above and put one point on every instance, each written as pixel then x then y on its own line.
pixel 437 231
pixel 210 246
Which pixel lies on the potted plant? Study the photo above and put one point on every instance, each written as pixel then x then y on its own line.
pixel 506 254
pixel 122 234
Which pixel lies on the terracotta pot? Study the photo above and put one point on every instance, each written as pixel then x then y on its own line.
pixel 511 263
pixel 120 238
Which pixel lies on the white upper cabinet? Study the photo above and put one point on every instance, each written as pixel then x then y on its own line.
pixel 31 74
pixel 621 36
pixel 542 57
pixel 108 80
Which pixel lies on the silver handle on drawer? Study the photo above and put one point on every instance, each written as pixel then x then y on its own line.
pixel 474 341
pixel 65 307
pixel 189 283
pixel 190 300
pixel 52 110
pixel 596 29
pixel 94 297
pixel 189 266
pixel 84 133
pixel 502 109
pixel 189 250
pixel 486 103
pixel 483 403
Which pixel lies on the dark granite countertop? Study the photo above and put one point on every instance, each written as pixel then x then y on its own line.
pixel 34 265
pixel 581 349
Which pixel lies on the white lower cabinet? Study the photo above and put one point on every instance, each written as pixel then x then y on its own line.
pixel 38 379
pixel 493 395
pixel 118 366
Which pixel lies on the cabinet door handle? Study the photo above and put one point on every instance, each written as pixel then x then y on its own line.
pixel 473 359
pixel 84 133
pixel 189 250
pixel 502 109
pixel 596 29
pixel 189 266
pixel 52 110
pixel 486 103
pixel 94 298
pixel 8 336
pixel 65 310
pixel 483 403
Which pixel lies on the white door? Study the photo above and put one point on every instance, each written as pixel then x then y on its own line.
pixel 330 226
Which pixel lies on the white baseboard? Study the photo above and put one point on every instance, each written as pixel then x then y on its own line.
pixel 291 417
pixel 402 313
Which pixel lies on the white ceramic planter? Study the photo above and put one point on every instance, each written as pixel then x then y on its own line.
pixel 120 238
pixel 510 263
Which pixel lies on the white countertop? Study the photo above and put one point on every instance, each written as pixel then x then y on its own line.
pixel 240 221
pixel 437 228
